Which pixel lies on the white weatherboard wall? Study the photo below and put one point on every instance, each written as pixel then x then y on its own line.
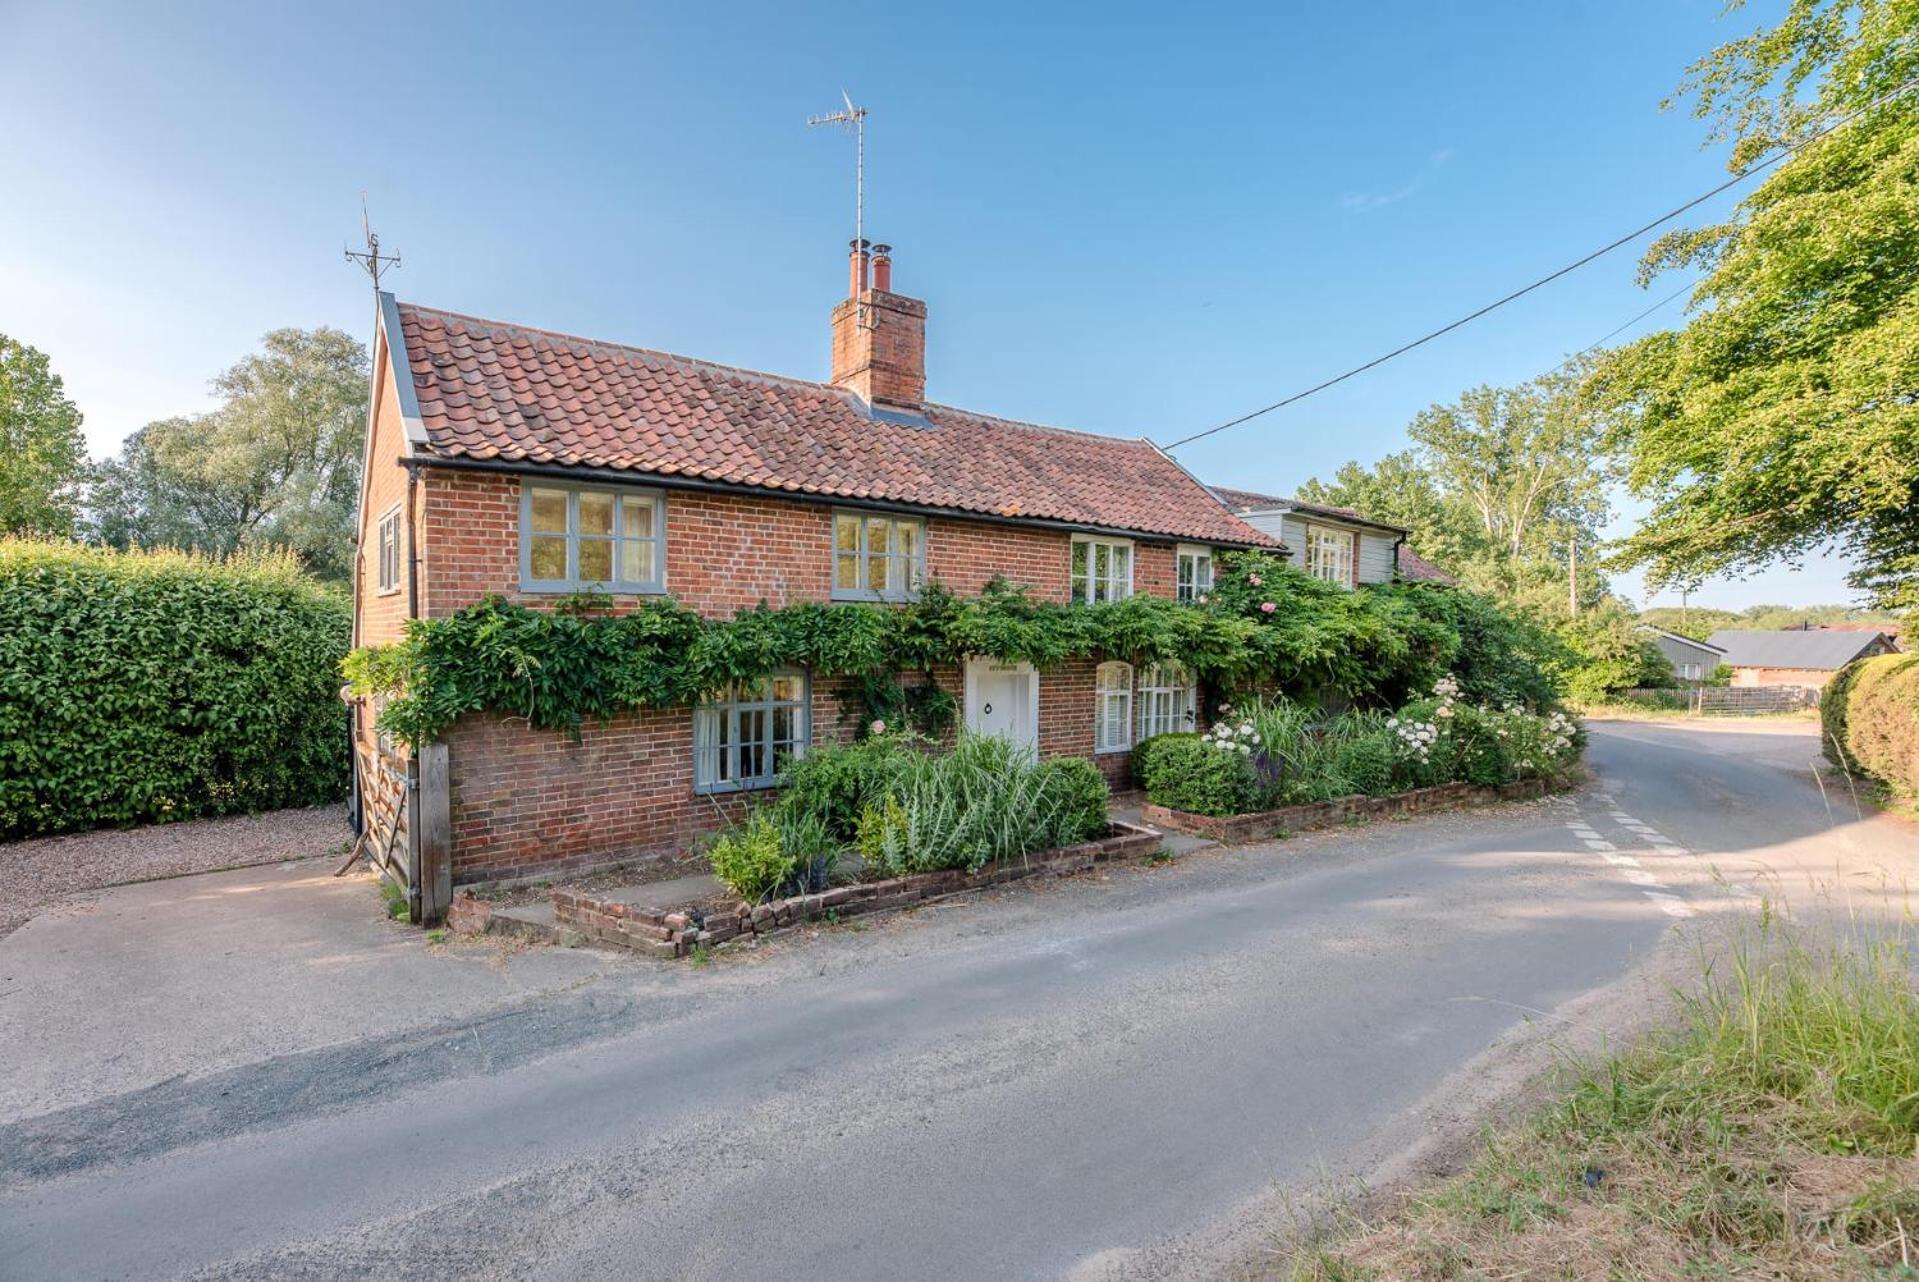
pixel 1376 551
pixel 1376 558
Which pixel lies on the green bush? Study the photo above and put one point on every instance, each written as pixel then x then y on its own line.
pixel 1141 757
pixel 836 782
pixel 1191 774
pixel 983 802
pixel 1869 715
pixel 137 687
pixel 1082 791
pixel 750 858
pixel 1366 763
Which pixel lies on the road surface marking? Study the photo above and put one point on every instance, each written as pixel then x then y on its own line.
pixel 1649 885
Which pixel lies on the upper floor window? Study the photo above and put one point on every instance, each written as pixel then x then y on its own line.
pixel 1329 554
pixel 1113 707
pixel 389 570
pixel 877 558
pixel 1102 569
pixel 741 738
pixel 1167 699
pixel 576 537
pixel 1194 574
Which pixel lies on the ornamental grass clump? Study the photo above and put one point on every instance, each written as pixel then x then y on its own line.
pixel 984 802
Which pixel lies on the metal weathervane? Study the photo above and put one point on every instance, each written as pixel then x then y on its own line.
pixel 371 259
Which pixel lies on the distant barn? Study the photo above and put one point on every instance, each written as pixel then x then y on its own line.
pixel 1795 658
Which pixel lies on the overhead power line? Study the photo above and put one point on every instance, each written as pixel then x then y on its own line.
pixel 1754 168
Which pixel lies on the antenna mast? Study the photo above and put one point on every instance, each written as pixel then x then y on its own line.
pixel 371 259
pixel 854 118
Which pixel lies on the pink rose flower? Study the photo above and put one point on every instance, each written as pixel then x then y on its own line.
pixel 1254 579
pixel 879 727
pixel 1267 607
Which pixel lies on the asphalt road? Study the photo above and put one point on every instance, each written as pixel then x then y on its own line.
pixel 1103 1076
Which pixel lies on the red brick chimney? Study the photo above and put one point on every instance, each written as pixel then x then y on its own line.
pixel 879 337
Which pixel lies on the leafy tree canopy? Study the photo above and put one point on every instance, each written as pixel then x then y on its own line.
pixel 1784 417
pixel 43 457
pixel 276 465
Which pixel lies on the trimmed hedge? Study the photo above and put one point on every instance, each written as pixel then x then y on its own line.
pixel 1870 716
pixel 138 687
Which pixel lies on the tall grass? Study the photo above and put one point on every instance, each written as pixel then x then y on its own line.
pixel 1773 1132
pixel 1321 756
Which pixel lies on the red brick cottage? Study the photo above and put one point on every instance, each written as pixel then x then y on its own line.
pixel 510 460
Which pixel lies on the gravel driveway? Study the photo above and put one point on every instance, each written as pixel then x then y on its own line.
pixel 43 870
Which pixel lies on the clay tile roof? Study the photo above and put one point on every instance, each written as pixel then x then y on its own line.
pixel 488 390
pixel 1417 569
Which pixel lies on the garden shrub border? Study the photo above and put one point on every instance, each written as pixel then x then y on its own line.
pixel 674 932
pixel 1263 824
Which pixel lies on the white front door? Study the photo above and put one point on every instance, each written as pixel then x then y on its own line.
pixel 1003 699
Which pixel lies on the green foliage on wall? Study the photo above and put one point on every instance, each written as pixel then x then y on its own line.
pixel 1264 624
pixel 145 686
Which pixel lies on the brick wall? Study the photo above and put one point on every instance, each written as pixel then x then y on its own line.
pixel 1813 678
pixel 528 802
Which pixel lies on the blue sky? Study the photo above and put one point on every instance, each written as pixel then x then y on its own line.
pixel 1140 220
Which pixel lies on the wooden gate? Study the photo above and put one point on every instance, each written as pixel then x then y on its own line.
pixel 407 835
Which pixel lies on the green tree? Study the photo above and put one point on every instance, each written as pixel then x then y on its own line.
pixel 1521 461
pixel 1784 417
pixel 1610 654
pixel 1401 490
pixel 277 464
pixel 43 457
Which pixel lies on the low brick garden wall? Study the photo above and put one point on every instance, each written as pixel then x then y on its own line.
pixel 1260 825
pixel 675 932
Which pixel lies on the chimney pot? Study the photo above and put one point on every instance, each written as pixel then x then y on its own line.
pixel 883 268
pixel 858 259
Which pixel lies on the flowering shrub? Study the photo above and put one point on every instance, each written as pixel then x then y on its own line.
pixel 1270 753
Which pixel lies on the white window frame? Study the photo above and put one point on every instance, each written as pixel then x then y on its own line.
pixel 1192 571
pixel 1689 672
pixel 1336 568
pixel 1167 699
pixel 720 745
pixel 1088 585
pixel 619 538
pixel 905 571
pixel 1113 707
pixel 387 549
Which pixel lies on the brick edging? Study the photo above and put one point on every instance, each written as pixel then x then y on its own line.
pixel 675 933
pixel 1260 825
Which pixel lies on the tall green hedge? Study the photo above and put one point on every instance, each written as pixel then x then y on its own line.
pixel 1869 715
pixel 145 686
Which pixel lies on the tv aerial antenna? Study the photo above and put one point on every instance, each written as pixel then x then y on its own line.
pixel 853 118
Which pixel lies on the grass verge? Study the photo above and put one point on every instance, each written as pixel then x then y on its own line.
pixel 1772 1135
